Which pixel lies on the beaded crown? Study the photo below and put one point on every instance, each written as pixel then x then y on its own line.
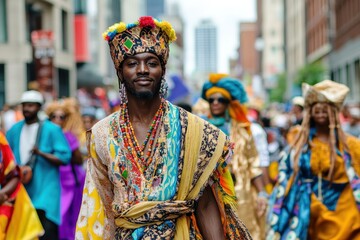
pixel 145 35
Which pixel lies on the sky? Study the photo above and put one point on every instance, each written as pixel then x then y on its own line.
pixel 226 15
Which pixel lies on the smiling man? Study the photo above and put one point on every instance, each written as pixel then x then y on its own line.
pixel 155 171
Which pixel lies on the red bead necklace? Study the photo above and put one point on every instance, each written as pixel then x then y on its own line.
pixel 130 141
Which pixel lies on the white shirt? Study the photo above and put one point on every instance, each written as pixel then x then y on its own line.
pixel 260 139
pixel 27 141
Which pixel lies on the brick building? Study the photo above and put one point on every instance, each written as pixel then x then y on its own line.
pixel 247 52
pixel 345 58
pixel 320 29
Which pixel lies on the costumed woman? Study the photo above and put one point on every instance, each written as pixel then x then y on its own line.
pixel 18 218
pixel 226 97
pixel 72 176
pixel 318 190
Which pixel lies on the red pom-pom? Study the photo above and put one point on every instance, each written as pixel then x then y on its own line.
pixel 107 38
pixel 146 21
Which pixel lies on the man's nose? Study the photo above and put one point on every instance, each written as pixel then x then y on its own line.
pixel 143 68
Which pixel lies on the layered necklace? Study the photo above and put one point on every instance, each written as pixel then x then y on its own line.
pixel 136 150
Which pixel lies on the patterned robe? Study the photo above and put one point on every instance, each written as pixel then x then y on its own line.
pixel 123 200
pixel 308 205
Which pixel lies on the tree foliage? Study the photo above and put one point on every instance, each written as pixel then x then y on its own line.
pixel 278 94
pixel 310 74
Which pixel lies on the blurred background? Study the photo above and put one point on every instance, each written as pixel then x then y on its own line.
pixel 273 46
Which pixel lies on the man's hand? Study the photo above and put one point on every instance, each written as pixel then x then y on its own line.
pixel 35 150
pixel 3 197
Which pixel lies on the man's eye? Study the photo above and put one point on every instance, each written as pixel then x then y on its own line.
pixel 153 64
pixel 131 63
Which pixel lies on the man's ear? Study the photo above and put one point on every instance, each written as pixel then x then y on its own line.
pixel 119 75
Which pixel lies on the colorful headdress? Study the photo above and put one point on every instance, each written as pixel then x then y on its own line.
pixel 145 35
pixel 326 91
pixel 231 89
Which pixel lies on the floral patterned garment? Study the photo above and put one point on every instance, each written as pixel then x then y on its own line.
pixel 121 183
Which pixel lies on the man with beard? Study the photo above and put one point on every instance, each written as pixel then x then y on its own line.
pixel 50 150
pixel 155 171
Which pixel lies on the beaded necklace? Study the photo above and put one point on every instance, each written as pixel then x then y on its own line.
pixel 130 141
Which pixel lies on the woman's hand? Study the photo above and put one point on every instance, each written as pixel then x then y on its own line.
pixel 262 203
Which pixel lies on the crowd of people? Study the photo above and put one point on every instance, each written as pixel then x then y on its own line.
pixel 225 168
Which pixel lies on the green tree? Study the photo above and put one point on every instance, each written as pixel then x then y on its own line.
pixel 278 94
pixel 310 74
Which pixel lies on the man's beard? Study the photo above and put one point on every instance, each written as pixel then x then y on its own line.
pixel 28 117
pixel 143 95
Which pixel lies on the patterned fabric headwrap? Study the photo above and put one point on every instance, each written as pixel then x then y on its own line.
pixel 145 35
pixel 230 88
pixel 326 91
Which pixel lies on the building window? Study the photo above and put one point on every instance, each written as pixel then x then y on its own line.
pixel 64 82
pixel 80 7
pixel 2 85
pixel 274 49
pixel 30 74
pixel 3 28
pixel 348 78
pixel 357 75
pixel 33 19
pixel 64 30
pixel 339 76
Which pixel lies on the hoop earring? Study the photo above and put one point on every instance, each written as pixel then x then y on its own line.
pixel 122 92
pixel 163 88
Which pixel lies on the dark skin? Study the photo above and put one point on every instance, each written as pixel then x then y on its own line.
pixel 217 108
pixel 8 189
pixel 142 75
pixel 319 114
pixel 30 111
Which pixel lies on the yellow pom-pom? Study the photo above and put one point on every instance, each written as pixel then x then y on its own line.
pixel 120 27
pixel 168 29
pixel 112 28
pixel 104 35
pixel 172 37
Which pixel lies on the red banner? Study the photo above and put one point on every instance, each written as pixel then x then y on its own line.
pixel 43 55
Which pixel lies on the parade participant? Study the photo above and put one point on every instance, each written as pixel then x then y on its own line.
pixel 18 218
pixel 155 171
pixel 42 148
pixel 72 176
pixel 226 97
pixel 317 196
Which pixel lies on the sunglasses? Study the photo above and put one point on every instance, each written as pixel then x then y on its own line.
pixel 61 117
pixel 219 100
